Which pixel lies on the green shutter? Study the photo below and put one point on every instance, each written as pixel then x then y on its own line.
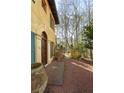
pixel 50 21
pixel 32 47
pixel 51 49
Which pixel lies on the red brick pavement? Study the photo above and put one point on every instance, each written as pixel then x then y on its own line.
pixel 78 78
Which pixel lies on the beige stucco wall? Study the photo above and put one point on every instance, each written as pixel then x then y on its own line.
pixel 40 21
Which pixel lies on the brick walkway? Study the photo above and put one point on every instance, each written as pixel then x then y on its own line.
pixel 78 78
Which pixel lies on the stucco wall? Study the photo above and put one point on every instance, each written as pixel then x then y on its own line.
pixel 40 21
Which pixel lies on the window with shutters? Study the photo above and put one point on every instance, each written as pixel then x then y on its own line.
pixel 33 1
pixel 51 22
pixel 51 49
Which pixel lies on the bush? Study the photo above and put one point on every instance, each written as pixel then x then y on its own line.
pixel 75 54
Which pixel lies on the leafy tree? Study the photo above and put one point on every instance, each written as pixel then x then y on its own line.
pixel 88 36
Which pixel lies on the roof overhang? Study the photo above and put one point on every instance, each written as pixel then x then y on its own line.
pixel 54 10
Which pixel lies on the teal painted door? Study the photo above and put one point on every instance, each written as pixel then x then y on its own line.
pixel 32 47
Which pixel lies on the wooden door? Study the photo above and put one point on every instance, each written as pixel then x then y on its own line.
pixel 44 48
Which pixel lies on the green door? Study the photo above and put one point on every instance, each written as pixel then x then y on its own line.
pixel 32 47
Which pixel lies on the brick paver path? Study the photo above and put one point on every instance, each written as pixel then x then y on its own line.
pixel 78 78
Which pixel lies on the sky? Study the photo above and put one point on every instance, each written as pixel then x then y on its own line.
pixel 72 0
pixel 57 2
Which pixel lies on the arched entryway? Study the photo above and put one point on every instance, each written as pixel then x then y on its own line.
pixel 44 48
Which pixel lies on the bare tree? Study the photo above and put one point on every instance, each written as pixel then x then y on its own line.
pixel 73 15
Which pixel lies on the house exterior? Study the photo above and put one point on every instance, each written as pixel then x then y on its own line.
pixel 43 18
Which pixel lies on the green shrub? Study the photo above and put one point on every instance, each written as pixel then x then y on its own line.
pixel 75 54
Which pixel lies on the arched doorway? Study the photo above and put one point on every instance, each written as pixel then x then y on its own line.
pixel 44 48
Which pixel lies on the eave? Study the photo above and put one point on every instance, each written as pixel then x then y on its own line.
pixel 54 10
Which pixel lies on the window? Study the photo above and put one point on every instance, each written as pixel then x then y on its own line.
pixel 51 49
pixel 33 1
pixel 51 22
pixel 44 5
